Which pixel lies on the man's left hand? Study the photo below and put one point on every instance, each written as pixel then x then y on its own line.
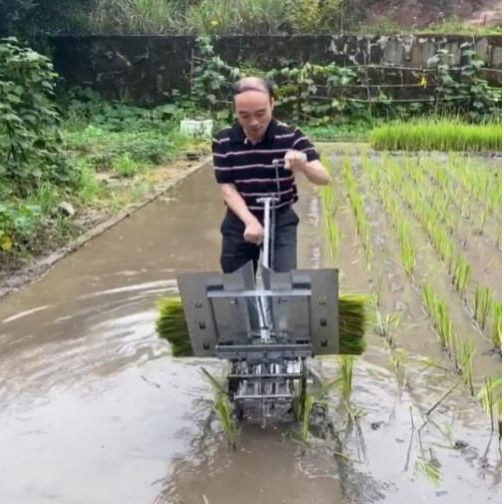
pixel 295 161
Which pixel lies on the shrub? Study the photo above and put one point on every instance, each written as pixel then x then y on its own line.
pixel 30 138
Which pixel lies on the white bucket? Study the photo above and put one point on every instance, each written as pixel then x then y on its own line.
pixel 195 128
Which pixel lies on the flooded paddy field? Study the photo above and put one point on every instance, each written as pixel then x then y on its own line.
pixel 94 409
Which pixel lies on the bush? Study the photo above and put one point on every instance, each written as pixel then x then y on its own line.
pixel 30 137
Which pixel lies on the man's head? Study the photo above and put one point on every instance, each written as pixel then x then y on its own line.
pixel 253 102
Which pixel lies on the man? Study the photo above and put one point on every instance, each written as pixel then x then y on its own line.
pixel 244 160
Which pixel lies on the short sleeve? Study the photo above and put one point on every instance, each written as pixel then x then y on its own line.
pixel 224 173
pixel 302 144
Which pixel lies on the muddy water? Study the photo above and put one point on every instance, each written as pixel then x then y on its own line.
pixel 267 468
pixel 381 456
pixel 92 406
pixel 94 410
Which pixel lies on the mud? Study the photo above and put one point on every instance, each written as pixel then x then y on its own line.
pixel 94 409
pixel 267 468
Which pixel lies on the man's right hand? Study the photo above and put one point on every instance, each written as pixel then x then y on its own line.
pixel 254 232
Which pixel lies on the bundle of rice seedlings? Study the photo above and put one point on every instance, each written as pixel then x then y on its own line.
pixel 353 317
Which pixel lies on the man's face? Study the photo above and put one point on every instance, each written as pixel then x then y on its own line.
pixel 254 110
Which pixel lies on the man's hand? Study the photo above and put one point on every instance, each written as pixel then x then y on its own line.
pixel 295 160
pixel 254 232
pixel 314 171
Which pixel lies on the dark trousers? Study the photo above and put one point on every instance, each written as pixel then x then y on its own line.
pixel 236 252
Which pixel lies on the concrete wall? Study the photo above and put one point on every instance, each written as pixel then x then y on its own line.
pixel 142 69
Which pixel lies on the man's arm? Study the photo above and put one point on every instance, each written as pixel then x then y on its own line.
pixel 225 178
pixel 314 170
pixel 304 158
pixel 316 173
pixel 253 229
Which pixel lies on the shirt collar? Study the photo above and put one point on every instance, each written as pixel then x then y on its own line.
pixel 238 135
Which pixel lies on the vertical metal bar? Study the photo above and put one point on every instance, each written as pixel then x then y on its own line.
pixel 266 238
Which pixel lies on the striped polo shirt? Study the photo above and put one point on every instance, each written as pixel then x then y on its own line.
pixel 250 167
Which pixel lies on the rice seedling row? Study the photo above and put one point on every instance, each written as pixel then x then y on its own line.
pixel 424 210
pixel 390 203
pixel 356 203
pixel 482 184
pixel 461 352
pixel 329 207
pixel 462 204
pixel 385 320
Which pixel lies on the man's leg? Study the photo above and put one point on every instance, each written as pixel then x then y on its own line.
pixel 236 252
pixel 286 224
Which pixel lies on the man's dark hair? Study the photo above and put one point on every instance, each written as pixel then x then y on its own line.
pixel 253 84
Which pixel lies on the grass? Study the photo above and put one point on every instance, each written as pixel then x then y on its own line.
pixel 150 146
pixel 451 25
pixel 114 150
pixel 241 16
pixel 438 134
pixel 134 17
pixel 455 25
pixel 124 166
